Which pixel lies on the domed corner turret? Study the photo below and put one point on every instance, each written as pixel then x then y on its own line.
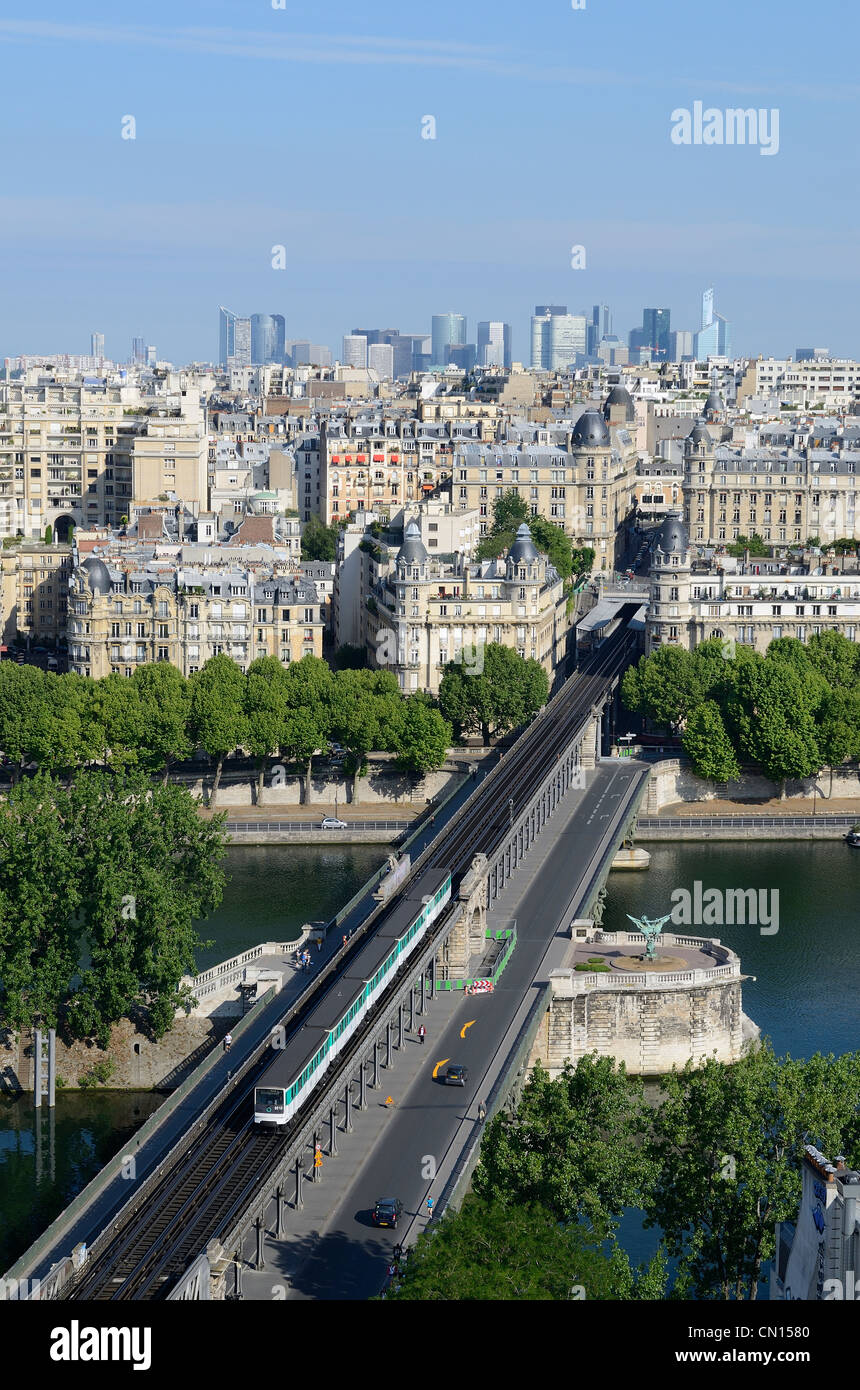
pixel 713 406
pixel 98 575
pixel 619 407
pixel 590 430
pixel 412 551
pixel 524 551
pixel 673 538
pixel 698 434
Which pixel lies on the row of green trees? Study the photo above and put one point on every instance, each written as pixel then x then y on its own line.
pixel 509 512
pixel 102 882
pixel 792 711
pixel 715 1164
pixel 157 717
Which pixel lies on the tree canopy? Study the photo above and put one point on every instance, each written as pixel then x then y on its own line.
pixel 101 884
pixel 493 701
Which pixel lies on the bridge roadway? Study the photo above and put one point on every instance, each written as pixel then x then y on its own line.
pixel 164 1226
pixel 331 1250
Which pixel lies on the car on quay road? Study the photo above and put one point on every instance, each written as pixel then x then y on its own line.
pixel 387 1212
pixel 456 1075
pixel 331 823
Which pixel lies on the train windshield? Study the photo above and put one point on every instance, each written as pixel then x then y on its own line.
pixel 269 1102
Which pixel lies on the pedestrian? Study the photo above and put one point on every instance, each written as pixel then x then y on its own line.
pixel 429 1207
pixel 344 938
pixel 319 943
pixel 422 1033
pixel 482 1112
pixel 228 1041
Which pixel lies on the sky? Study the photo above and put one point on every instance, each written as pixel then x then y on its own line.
pixel 301 127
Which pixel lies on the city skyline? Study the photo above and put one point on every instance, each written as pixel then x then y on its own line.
pixel 155 240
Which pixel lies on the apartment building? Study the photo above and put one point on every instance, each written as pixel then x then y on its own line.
pixel 832 383
pixel 123 614
pixel 34 589
pixel 74 455
pixel 786 482
pixel 582 476
pixel 750 603
pixel 422 611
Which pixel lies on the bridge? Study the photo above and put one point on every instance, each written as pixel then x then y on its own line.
pixel 191 1211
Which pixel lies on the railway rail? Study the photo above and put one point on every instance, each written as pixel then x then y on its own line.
pixel 226 1167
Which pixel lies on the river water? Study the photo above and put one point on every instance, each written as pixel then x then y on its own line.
pixel 804 997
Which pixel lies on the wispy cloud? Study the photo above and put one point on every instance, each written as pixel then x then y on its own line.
pixel 279 45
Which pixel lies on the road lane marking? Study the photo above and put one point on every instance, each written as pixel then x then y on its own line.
pixel 467 1025
pixel 440 1064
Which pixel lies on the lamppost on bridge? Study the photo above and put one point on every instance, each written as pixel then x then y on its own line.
pixel 511 811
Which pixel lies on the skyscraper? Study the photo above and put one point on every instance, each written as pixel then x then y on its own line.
pixel 714 337
pixel 235 344
pixel 151 355
pixel 656 327
pixel 567 340
pixel 354 350
pixel 97 345
pixel 541 319
pixel 138 350
pixel 267 338
pixel 447 330
pixel 380 358
pixel 494 344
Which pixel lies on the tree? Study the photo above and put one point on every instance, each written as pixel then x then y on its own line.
pixel 838 729
pixel 572 1146
pixel 307 717
pixel 101 885
pixel 727 1143
pixel 40 894
pixel 112 722
pixel 582 559
pixel 49 535
pixel 165 712
pixel 218 710
pixel 552 541
pixel 505 694
pixel 422 737
pixel 350 658
pixel 834 657
pixel 319 542
pixel 666 686
pixel 770 708
pixel 509 512
pixel 265 709
pixel 488 1251
pixel 23 713
pixel 708 746
pixel 363 713
pixel 754 544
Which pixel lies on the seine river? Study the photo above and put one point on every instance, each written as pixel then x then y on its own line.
pixel 804 996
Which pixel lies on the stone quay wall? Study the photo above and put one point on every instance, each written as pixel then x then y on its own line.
pixel 651 1021
pixel 673 781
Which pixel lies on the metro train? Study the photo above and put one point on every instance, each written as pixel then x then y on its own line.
pixel 300 1066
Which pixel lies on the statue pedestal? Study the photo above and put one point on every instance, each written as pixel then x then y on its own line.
pixel 661 964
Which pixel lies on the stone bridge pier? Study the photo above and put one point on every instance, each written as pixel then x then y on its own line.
pixel 467 936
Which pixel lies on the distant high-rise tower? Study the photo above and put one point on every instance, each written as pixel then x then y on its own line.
pixel 138 350
pixel 268 333
pixel 380 358
pixel 494 344
pixel 447 330
pixel 567 340
pixel 656 330
pixel 151 355
pixel 97 345
pixel 354 350
pixel 541 320
pixel 235 339
pixel 714 337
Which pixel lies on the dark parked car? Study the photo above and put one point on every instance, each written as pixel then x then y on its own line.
pixel 387 1212
pixel 456 1076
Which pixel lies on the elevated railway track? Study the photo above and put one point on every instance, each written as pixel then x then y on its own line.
pixel 213 1179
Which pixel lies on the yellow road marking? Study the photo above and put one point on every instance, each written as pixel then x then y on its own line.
pixel 438 1065
pixel 465 1026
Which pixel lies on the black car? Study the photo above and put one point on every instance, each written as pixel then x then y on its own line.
pixel 456 1075
pixel 387 1212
